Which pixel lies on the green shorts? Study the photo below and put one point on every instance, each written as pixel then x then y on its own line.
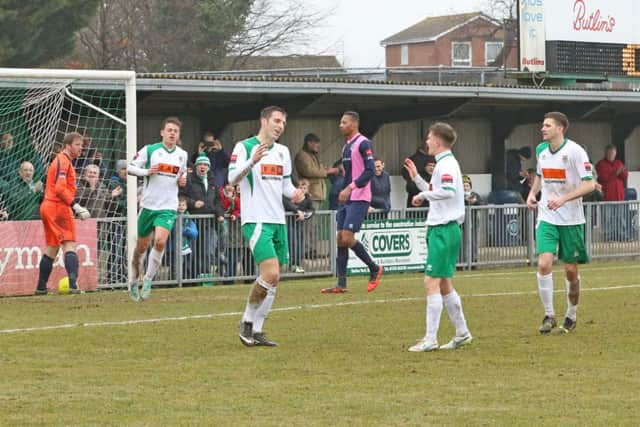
pixel 443 245
pixel 148 220
pixel 569 239
pixel 267 241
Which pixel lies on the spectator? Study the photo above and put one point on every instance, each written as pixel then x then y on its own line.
pixel 309 167
pixel 420 159
pixel 337 183
pixel 471 198
pixel 380 191
pixel 296 225
pixel 189 234
pixel 203 198
pixel 93 194
pixel 612 175
pixel 516 176
pixel 217 156
pixel 117 242
pixel 230 231
pixel 526 186
pixel 23 195
pixel 89 156
pixel 9 161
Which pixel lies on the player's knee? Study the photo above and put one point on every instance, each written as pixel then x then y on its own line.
pixel 271 277
pixel 544 266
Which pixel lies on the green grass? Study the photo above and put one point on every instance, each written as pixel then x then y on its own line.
pixel 337 364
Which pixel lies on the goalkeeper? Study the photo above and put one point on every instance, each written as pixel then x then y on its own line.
pixel 57 217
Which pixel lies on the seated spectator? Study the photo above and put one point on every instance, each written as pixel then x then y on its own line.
pixel 380 191
pixel 295 225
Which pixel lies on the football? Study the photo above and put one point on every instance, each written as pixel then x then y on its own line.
pixel 63 286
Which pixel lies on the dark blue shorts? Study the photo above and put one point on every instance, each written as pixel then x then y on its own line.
pixel 351 215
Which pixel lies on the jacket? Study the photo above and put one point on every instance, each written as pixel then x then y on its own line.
pixel 381 192
pixel 308 166
pixel 195 190
pixel 612 184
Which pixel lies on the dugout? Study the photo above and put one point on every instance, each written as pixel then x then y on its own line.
pixel 489 118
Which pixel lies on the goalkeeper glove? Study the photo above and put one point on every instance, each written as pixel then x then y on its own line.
pixel 82 212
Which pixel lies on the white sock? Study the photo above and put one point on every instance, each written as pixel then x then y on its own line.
pixel 571 309
pixel 454 308
pixel 250 309
pixel 263 311
pixel 155 259
pixel 545 289
pixel 434 311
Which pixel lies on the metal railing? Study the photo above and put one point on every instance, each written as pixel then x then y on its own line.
pixel 493 235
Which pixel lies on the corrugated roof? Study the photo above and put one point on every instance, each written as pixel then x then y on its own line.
pixel 280 62
pixel 430 29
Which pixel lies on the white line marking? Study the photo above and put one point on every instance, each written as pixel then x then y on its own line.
pixel 290 308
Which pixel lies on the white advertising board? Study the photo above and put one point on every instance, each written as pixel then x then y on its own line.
pixel 532 35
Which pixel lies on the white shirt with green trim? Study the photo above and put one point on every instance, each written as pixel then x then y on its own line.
pixel 160 190
pixel 446 192
pixel 560 173
pixel 268 180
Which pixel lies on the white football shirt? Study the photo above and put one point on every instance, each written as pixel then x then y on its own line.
pixel 561 172
pixel 446 193
pixel 262 189
pixel 160 190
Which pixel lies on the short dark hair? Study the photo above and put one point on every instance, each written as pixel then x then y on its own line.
pixel 183 199
pixel 444 131
pixel 208 134
pixel 311 137
pixel 70 137
pixel 355 116
pixel 171 119
pixel 378 159
pixel 559 118
pixel 267 111
pixel 525 152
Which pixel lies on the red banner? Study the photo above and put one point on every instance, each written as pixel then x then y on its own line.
pixel 21 248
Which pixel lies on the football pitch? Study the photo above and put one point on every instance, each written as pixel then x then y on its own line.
pixel 99 359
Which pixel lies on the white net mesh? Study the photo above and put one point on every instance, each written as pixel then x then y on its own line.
pixel 34 117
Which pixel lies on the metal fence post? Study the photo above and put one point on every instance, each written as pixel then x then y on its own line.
pixel 178 250
pixel 588 228
pixel 333 244
pixel 531 240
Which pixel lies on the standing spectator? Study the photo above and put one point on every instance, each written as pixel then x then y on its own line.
pixel 564 176
pixel 380 190
pixel 337 184
pixel 218 157
pixel 229 232
pixel 515 174
pixel 189 234
pixel 302 211
pixel 309 167
pixel 612 175
pixel 23 195
pixel 203 198
pixel 117 242
pixel 93 193
pixel 471 198
pixel 420 159
pixel 9 160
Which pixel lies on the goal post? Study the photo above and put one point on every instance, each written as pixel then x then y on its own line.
pixel 37 107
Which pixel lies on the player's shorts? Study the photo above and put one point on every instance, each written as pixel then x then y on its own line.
pixel 566 241
pixel 443 245
pixel 267 241
pixel 351 215
pixel 59 225
pixel 148 220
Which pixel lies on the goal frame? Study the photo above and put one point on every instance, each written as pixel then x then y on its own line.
pixel 129 80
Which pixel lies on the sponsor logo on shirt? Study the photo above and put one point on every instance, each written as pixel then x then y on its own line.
pixel 271 171
pixel 167 169
pixel 552 175
pixel 587 166
pixel 234 157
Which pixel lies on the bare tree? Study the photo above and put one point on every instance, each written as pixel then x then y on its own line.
pixel 189 35
pixel 505 11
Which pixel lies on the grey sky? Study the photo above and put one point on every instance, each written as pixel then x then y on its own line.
pixel 354 31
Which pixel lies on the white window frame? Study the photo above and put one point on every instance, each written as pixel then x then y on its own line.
pixel 453 59
pixel 404 54
pixel 486 50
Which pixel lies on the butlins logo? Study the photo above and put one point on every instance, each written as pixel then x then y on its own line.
pixel 268 171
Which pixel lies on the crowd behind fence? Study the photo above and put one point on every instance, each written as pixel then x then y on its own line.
pixel 493 235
